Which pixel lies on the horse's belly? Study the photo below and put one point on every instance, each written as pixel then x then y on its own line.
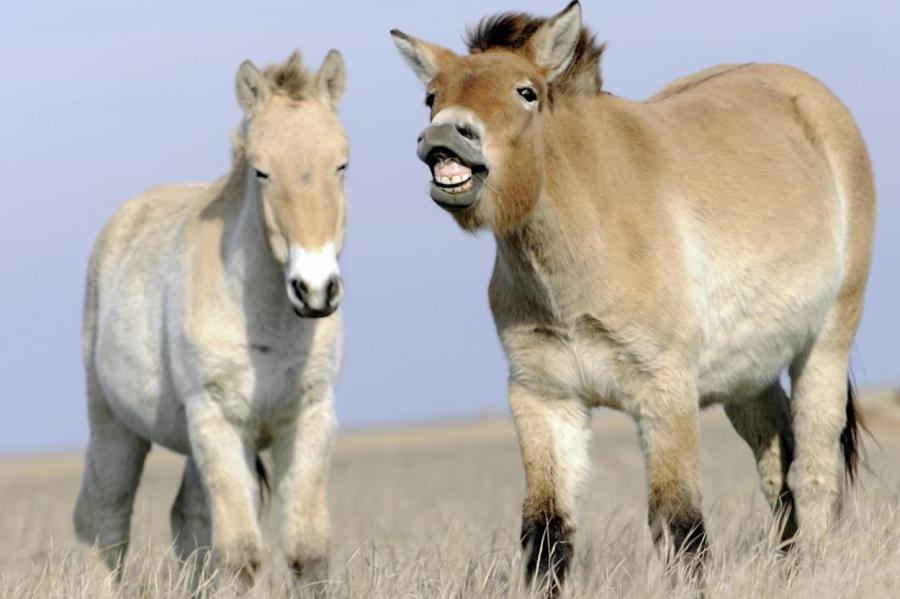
pixel 750 336
pixel 130 363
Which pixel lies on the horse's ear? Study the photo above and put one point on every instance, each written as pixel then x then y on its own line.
pixel 552 46
pixel 423 58
pixel 251 85
pixel 332 78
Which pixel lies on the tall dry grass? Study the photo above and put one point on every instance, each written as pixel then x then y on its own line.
pixel 433 512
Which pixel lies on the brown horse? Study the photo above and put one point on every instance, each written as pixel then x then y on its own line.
pixel 657 257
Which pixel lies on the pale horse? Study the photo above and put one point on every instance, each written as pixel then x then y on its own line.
pixel 211 327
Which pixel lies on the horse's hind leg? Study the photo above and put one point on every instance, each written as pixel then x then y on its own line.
pixel 823 419
pixel 764 423
pixel 190 522
pixel 112 470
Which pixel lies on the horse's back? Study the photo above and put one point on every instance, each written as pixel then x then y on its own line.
pixel 143 222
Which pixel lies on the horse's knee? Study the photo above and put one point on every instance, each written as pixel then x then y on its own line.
pixel 554 437
pixel 671 448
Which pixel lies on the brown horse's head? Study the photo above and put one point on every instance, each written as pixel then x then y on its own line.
pixel 484 145
pixel 296 156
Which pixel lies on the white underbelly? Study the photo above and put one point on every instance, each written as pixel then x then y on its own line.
pixel 753 333
pixel 748 337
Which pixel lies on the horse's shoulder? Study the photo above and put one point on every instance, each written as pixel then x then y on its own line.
pixel 158 209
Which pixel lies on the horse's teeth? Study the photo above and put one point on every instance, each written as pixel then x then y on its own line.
pixel 454 180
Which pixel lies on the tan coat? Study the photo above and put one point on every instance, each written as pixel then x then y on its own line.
pixel 657 257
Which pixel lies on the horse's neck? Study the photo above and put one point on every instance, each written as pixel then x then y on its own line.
pixel 552 257
pixel 540 261
pixel 253 275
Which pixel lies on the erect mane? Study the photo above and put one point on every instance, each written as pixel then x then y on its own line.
pixel 291 78
pixel 511 31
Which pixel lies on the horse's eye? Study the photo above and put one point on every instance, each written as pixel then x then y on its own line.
pixel 261 175
pixel 528 94
pixel 343 168
pixel 429 100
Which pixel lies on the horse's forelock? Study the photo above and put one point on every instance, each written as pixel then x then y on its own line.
pixel 291 78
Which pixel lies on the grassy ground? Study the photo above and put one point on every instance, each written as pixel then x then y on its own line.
pixel 434 512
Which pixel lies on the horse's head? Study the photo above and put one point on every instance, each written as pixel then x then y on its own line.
pixel 484 144
pixel 296 156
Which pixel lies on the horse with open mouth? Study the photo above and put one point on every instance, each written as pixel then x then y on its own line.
pixel 212 327
pixel 657 257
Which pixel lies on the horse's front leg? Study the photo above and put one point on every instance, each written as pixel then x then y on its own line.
pixel 227 471
pixel 302 452
pixel 667 413
pixel 554 436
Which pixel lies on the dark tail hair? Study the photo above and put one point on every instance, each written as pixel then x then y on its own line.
pixel 850 436
pixel 262 475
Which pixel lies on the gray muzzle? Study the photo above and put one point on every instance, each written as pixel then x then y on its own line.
pixel 463 144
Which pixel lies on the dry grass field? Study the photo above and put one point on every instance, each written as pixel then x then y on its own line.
pixel 433 512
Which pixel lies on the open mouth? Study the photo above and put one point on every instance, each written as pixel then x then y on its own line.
pixel 457 165
pixel 449 172
pixel 453 179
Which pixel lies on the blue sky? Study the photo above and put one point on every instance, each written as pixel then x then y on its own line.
pixel 102 100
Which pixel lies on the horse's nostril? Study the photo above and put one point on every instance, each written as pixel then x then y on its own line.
pixel 333 290
pixel 467 132
pixel 300 289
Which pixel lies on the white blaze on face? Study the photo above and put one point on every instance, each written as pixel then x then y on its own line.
pixel 315 269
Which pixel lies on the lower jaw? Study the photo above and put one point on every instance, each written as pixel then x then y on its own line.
pixel 459 201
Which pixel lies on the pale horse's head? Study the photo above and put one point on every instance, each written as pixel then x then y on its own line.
pixel 296 157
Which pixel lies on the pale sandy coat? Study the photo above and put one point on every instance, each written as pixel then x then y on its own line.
pixel 192 338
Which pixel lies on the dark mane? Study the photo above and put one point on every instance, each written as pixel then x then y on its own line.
pixel 290 78
pixel 511 31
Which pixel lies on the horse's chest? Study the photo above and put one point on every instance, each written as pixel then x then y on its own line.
pixel 568 362
pixel 266 388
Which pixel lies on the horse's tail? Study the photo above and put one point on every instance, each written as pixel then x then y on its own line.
pixel 262 477
pixel 850 436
